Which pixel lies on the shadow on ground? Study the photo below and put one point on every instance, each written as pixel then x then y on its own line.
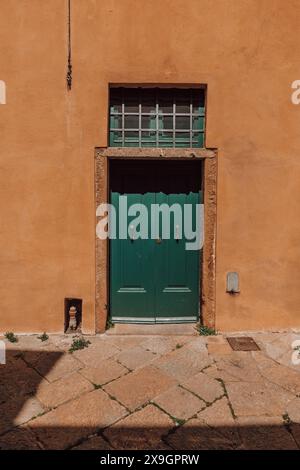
pixel 22 415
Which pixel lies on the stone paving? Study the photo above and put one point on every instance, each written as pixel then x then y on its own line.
pixel 150 392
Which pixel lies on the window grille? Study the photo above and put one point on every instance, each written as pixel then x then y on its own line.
pixel 153 117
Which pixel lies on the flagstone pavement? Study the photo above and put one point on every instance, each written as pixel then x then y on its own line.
pixel 150 392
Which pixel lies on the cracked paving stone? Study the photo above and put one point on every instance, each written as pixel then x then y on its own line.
pixel 240 365
pixel 293 410
pixel 19 438
pixel 219 416
pixel 278 374
pixel 94 443
pixel 182 363
pixel 218 346
pixel 265 433
pixel 204 386
pixel 196 435
pixel 135 357
pixel 179 403
pixel 164 344
pixel 105 372
pixel 17 379
pixel 216 373
pixel 138 387
pixel 66 425
pixel 95 353
pixel 126 342
pixel 62 390
pixel 52 365
pixel 143 429
pixel 18 411
pixel 295 430
pixel 257 399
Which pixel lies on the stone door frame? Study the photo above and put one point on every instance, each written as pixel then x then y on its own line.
pixel 208 262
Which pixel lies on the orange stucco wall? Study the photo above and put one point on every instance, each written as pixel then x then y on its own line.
pixel 247 53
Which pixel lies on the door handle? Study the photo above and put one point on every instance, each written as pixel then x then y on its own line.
pixel 158 241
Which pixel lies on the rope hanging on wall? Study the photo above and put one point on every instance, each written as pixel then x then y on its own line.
pixel 69 68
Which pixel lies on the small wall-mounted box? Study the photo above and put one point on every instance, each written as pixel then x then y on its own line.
pixel 232 283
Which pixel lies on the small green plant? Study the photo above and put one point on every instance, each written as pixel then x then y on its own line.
pixel 11 337
pixel 43 337
pixel 179 422
pixel 109 324
pixel 79 343
pixel 206 330
pixel 178 346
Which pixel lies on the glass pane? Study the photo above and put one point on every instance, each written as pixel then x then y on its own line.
pixel 116 122
pixel 149 139
pixel 148 101
pixel 198 139
pixel 131 144
pixel 131 100
pixel 116 100
pixel 131 135
pixel 183 98
pixel 131 139
pixel 131 122
pixel 198 101
pixel 148 122
pixel 182 144
pixel 148 135
pixel 166 122
pixel 183 122
pixel 165 99
pixel 165 134
pixel 115 139
pixel 165 139
pixel 166 143
pixel 136 99
pixel 198 123
pixel 182 137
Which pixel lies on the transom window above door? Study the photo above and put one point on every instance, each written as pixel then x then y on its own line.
pixel 157 117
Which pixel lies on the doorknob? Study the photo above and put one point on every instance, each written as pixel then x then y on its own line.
pixel 158 241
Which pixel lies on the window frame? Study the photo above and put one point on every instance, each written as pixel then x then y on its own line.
pixel 173 137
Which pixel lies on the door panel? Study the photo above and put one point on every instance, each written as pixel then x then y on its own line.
pixel 154 280
pixel 131 281
pixel 177 275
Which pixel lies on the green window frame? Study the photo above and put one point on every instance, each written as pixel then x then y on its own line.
pixel 157 117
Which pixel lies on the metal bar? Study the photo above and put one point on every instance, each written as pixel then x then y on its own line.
pixel 191 119
pixel 167 134
pixel 123 119
pixel 140 118
pixel 174 119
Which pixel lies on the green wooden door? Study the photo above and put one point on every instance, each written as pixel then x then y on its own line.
pixel 154 279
